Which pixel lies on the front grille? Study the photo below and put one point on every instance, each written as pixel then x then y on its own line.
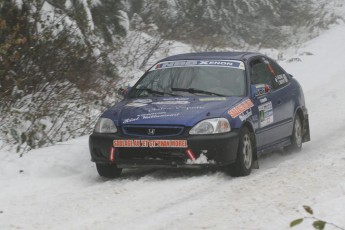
pixel 152 154
pixel 152 131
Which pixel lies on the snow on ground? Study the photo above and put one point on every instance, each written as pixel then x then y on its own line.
pixel 58 187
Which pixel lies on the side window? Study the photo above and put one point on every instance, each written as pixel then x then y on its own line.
pixel 280 78
pixel 266 71
pixel 260 73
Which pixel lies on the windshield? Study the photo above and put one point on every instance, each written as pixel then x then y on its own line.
pixel 192 80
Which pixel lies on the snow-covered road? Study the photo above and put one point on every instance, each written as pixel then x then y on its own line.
pixel 58 187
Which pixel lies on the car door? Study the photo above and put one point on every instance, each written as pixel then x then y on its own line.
pixel 271 103
pixel 284 92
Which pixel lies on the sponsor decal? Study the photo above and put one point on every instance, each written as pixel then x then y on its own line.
pixel 259 86
pixel 263 100
pixel 212 99
pixel 266 114
pixel 170 103
pixel 281 79
pixel 175 99
pixel 134 104
pixel 176 108
pixel 150 116
pixel 186 63
pixel 255 117
pixel 238 109
pixel 128 120
pixel 260 90
pixel 150 143
pixel 144 101
pixel 157 115
pixel 165 101
pixel 194 107
pixel 246 115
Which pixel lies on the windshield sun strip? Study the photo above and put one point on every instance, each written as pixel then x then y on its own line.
pixel 235 64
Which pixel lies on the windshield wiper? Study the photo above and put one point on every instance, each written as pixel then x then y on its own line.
pixel 151 91
pixel 194 91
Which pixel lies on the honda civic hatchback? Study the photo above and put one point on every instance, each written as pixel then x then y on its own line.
pixel 210 109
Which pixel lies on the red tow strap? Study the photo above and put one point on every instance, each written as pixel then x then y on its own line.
pixel 190 154
pixel 112 154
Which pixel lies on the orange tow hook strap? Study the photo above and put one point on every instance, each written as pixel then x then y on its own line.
pixel 190 154
pixel 112 154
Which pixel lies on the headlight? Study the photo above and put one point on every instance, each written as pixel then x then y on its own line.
pixel 105 125
pixel 211 126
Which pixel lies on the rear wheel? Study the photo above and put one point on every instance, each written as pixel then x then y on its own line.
pixel 108 170
pixel 244 162
pixel 296 137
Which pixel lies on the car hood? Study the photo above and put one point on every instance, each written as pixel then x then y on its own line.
pixel 186 111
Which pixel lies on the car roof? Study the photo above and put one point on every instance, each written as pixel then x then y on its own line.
pixel 211 56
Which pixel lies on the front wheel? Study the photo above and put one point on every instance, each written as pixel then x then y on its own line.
pixel 108 170
pixel 244 162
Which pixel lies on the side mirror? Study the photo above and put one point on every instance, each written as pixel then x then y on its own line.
pixel 123 92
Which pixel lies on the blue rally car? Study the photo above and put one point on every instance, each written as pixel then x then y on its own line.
pixel 211 109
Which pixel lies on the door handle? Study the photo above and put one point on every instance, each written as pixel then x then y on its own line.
pixel 279 102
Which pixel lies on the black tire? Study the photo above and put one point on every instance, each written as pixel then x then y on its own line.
pixel 245 155
pixel 108 171
pixel 297 136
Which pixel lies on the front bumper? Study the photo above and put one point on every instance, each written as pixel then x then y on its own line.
pixel 208 150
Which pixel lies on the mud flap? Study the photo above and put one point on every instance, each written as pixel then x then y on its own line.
pixel 306 130
pixel 255 164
